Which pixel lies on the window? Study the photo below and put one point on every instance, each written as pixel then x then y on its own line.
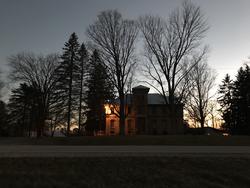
pixel 112 126
pixel 129 109
pixel 153 110
pixel 141 125
pixel 164 110
pixel 129 126
pixel 140 109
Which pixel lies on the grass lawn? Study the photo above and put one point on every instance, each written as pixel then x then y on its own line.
pixel 134 140
pixel 132 172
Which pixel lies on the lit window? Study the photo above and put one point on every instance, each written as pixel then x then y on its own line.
pixel 107 109
pixel 112 126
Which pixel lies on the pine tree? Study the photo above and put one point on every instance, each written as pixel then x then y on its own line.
pixel 241 101
pixel 99 91
pixel 225 100
pixel 235 102
pixel 24 106
pixel 82 66
pixel 67 77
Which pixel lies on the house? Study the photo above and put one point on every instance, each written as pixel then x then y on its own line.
pixel 146 113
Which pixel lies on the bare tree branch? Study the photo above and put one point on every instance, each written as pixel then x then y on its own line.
pixel 200 95
pixel 115 39
pixel 169 44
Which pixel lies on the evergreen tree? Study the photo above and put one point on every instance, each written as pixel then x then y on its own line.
pixel 24 106
pixel 38 73
pixel 67 77
pixel 99 91
pixel 235 102
pixel 82 66
pixel 225 100
pixel 241 101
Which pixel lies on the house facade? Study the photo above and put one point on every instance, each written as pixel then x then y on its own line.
pixel 146 113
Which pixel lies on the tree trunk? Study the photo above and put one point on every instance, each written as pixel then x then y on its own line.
pixel 41 123
pixel 80 110
pixel 80 101
pixel 122 115
pixel 202 122
pixel 70 97
pixel 171 102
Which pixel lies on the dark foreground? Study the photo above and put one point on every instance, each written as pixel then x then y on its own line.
pixel 133 172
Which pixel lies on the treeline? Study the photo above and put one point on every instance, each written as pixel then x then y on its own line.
pixel 56 91
pixel 235 102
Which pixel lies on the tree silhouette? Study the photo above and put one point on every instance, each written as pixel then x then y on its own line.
pixel 99 91
pixel 115 38
pixel 82 70
pixel 202 79
pixel 38 74
pixel 225 100
pixel 4 127
pixel 241 101
pixel 172 49
pixel 24 109
pixel 67 77
pixel 235 102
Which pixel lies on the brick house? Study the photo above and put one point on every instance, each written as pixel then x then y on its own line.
pixel 147 113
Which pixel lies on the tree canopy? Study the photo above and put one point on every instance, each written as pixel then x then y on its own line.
pixel 235 102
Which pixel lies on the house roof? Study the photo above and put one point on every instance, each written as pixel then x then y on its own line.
pixel 141 87
pixel 153 98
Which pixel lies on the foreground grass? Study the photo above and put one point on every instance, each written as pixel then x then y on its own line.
pixel 146 172
pixel 134 140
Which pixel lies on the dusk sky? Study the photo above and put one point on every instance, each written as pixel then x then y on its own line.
pixel 43 26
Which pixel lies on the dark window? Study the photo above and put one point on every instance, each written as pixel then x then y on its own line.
pixel 112 126
pixel 140 109
pixel 129 126
pixel 141 125
pixel 129 110
pixel 164 110
pixel 153 110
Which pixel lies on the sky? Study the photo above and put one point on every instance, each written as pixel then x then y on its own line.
pixel 43 26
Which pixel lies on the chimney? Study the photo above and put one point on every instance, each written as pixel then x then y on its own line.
pixel 140 99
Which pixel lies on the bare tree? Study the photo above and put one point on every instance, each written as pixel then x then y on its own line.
pixel 115 39
pixel 214 114
pixel 37 72
pixel 202 81
pixel 172 49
